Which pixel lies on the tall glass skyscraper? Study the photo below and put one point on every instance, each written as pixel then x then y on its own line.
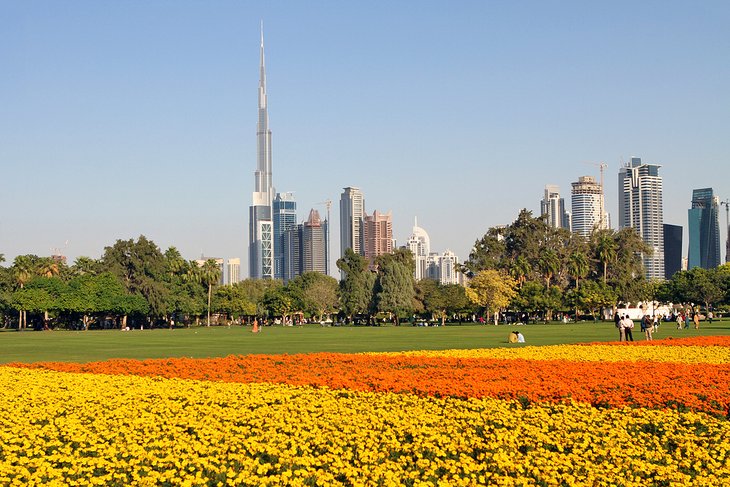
pixel 352 215
pixel 314 245
pixel 285 217
pixel 260 228
pixel 704 230
pixel 640 206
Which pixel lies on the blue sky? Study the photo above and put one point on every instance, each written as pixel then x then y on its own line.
pixel 126 118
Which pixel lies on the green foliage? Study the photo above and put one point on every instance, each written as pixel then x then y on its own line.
pixel 277 302
pixel 357 286
pixel 140 266
pixel 314 294
pixel 395 285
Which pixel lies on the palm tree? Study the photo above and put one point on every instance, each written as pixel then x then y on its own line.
pixel 606 249
pixel 210 273
pixel 549 265
pixel 22 272
pixel 47 267
pixel 578 266
pixel 520 269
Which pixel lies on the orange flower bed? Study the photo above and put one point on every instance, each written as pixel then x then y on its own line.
pixel 705 341
pixel 698 387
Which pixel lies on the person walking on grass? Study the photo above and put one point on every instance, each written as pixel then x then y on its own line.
pixel 696 320
pixel 680 321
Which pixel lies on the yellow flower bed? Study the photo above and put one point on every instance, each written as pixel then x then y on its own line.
pixel 593 353
pixel 64 429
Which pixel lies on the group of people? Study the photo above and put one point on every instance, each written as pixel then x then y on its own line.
pixel 625 326
pixel 683 320
pixel 516 337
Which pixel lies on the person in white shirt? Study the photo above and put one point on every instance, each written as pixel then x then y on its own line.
pixel 628 326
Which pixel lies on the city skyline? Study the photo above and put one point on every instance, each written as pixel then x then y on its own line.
pixel 437 113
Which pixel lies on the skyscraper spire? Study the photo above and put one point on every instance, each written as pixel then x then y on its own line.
pixel 261 243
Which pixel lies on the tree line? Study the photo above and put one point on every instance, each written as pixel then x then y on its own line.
pixel 526 267
pixel 542 270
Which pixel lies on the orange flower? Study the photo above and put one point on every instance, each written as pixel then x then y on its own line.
pixel 699 387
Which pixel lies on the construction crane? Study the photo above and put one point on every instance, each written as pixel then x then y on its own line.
pixel 727 223
pixel 328 205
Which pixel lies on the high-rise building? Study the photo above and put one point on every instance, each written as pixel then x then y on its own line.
pixel 352 214
pixel 260 229
pixel 292 252
pixel 285 217
pixel 448 268
pixel 641 207
pixel 672 250
pixel 552 207
pixel 587 207
pixel 314 247
pixel 234 271
pixel 704 230
pixel 378 234
pixel 420 246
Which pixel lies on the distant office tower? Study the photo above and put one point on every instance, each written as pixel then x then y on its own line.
pixel 219 262
pixel 672 250
pixel 260 228
pixel 234 271
pixel 588 210
pixel 285 217
pixel 448 270
pixel 314 248
pixel 640 206
pixel 704 230
pixel 443 268
pixel 352 214
pixel 552 207
pixel 292 253
pixel 378 234
pixel 420 246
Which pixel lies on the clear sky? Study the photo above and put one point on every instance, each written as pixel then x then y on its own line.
pixel 139 117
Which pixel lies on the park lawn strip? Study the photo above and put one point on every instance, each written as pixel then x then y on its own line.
pixel 204 342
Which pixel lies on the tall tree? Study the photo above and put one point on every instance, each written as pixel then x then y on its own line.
pixel 606 249
pixel 314 293
pixel 492 290
pixel 578 268
pixel 210 273
pixel 23 267
pixel 395 285
pixel 357 286
pixel 140 266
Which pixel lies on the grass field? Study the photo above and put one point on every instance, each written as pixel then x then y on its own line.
pixel 75 346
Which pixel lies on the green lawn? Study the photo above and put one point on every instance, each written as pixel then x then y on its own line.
pixel 74 346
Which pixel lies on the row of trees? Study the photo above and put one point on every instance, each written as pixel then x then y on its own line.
pixel 547 269
pixel 135 280
pixel 527 267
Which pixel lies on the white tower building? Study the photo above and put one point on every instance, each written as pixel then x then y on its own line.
pixel 419 244
pixel 261 228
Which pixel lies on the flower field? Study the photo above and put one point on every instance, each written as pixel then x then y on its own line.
pixel 607 414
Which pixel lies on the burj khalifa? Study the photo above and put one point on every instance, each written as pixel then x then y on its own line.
pixel 260 230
